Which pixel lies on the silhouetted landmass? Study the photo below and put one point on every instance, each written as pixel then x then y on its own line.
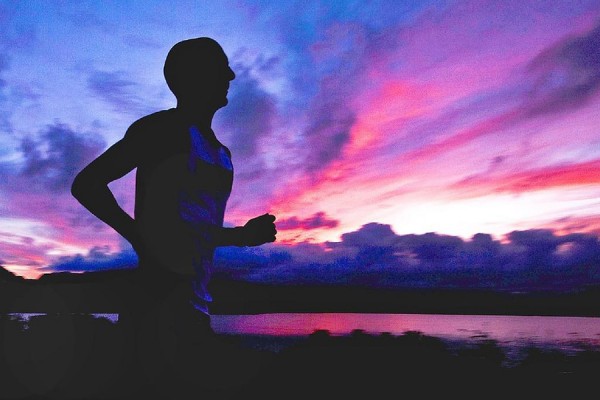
pixel 7 276
pixel 76 356
pixel 246 298
pixel 68 292
pixel 108 291
pixel 70 354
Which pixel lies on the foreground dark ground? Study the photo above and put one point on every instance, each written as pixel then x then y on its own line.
pixel 77 356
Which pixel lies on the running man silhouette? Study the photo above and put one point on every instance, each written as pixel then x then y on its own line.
pixel 183 180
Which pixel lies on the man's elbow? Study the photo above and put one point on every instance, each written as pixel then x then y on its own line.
pixel 80 187
pixel 76 188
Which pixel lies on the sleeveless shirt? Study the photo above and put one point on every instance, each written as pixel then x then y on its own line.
pixel 180 205
pixel 202 207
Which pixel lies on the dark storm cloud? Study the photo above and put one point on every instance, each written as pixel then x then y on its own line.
pixel 566 74
pixel 53 159
pixel 315 221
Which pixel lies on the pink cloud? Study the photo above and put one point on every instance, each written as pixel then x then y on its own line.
pixel 586 173
pixel 576 224
pixel 318 220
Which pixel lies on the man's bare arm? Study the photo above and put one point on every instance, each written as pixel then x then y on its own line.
pixel 257 231
pixel 90 187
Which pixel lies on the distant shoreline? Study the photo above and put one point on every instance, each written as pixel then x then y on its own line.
pixel 108 292
pixel 245 298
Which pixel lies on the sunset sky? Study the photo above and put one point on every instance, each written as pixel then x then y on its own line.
pixel 354 122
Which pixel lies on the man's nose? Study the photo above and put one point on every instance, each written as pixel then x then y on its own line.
pixel 231 75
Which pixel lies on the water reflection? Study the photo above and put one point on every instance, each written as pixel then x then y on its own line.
pixel 564 332
pixel 503 328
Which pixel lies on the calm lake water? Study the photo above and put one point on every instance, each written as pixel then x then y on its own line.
pixel 563 332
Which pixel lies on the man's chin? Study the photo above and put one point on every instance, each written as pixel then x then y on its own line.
pixel 222 103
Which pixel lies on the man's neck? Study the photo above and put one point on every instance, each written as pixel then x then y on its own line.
pixel 197 115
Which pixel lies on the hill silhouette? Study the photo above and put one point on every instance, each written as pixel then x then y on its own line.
pixel 7 276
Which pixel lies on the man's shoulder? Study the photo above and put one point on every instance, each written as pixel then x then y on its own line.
pixel 155 122
pixel 155 137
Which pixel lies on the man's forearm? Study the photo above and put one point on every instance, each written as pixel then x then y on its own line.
pixel 231 237
pixel 255 232
pixel 99 200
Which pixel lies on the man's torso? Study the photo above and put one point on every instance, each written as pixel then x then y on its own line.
pixel 183 180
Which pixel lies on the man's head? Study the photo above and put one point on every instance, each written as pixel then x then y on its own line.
pixel 197 70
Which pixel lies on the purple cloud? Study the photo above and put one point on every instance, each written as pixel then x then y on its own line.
pixel 38 197
pixel 375 256
pixel 315 221
pixel 567 74
pixel 5 125
pixel 341 58
pixel 53 160
pixel 372 234
pixel 119 91
pixel 98 259
pixel 249 116
pixel 246 126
